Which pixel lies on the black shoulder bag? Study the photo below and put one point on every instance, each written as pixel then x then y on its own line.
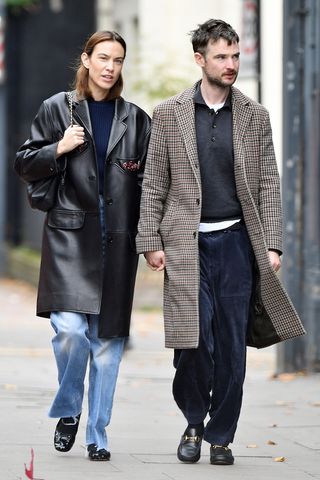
pixel 42 193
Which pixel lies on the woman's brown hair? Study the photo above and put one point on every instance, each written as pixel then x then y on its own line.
pixel 81 82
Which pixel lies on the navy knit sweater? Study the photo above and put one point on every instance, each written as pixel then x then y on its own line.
pixel 101 115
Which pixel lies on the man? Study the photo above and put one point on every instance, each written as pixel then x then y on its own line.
pixel 211 218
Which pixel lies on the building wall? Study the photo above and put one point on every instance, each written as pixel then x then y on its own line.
pixel 159 48
pixel 41 46
pixel 272 68
pixel 160 58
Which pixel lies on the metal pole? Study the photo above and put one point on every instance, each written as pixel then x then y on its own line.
pixel 3 142
pixel 301 177
pixel 291 355
pixel 311 203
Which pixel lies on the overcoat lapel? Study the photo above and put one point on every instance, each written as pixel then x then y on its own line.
pixel 185 115
pixel 241 115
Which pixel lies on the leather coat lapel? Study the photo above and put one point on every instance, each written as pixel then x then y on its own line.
pixel 119 127
pixel 82 116
pixel 185 115
pixel 81 113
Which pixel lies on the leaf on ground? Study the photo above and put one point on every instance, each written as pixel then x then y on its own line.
pixel 315 404
pixel 273 425
pixel 270 442
pixel 172 413
pixel 252 445
pixel 279 459
pixel 287 377
pixel 284 403
pixel 10 386
pixel 29 471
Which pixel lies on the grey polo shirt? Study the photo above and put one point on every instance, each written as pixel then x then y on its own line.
pixel 215 152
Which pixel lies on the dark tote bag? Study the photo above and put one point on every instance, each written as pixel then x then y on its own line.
pixel 42 193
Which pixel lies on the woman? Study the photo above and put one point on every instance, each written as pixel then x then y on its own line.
pixel 88 263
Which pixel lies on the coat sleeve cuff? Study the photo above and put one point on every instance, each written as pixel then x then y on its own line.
pixel 149 244
pixel 275 244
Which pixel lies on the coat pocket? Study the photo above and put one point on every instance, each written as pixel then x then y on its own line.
pixel 169 217
pixel 66 220
pixel 129 165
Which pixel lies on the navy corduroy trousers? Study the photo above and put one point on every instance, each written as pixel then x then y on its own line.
pixel 209 379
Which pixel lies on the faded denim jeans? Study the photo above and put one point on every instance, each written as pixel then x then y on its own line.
pixel 76 342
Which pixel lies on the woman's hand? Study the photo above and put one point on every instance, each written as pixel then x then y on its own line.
pixel 72 138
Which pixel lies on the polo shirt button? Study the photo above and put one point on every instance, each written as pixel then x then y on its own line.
pixel 213 139
pixel 109 201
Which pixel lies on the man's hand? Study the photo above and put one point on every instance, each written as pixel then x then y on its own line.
pixel 156 260
pixel 275 260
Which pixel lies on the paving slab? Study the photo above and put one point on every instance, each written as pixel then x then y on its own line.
pixel 280 417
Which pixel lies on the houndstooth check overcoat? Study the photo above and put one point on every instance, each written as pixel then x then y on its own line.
pixel 170 216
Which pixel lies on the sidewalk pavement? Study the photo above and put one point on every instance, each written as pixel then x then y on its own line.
pixel 280 418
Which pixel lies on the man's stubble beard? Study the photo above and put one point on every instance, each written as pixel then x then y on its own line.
pixel 216 82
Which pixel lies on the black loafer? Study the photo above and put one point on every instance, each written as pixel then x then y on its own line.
pixel 101 455
pixel 221 455
pixel 189 449
pixel 65 433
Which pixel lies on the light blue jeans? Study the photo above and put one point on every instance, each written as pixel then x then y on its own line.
pixel 76 342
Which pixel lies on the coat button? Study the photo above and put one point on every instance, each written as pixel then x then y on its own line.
pixel 109 239
pixel 91 177
pixel 109 201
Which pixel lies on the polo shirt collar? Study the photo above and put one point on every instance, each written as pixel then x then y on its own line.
pixel 198 98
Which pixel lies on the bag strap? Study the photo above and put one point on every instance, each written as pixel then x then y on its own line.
pixel 64 164
pixel 69 96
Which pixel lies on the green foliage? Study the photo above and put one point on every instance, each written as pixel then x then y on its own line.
pixel 19 3
pixel 18 6
pixel 160 85
pixel 24 263
pixel 29 255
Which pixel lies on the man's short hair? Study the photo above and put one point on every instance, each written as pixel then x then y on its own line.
pixel 210 32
